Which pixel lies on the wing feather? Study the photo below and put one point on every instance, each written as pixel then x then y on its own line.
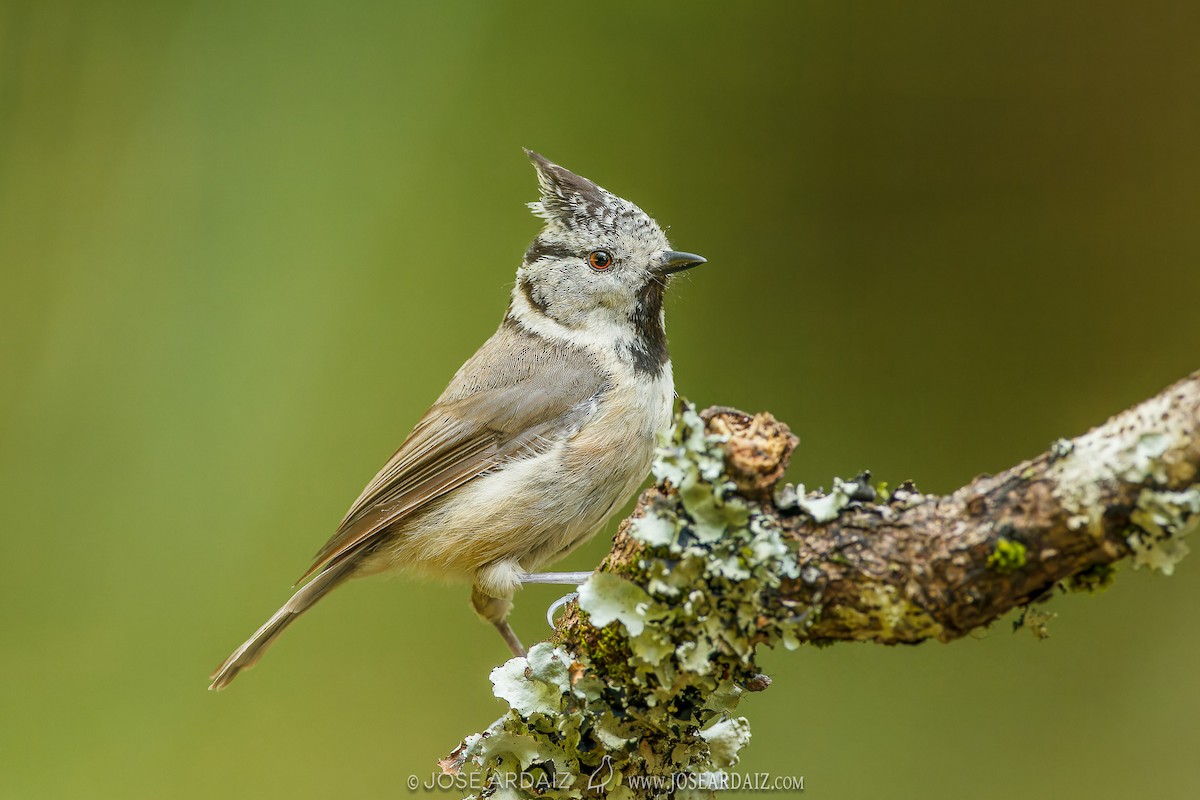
pixel 486 417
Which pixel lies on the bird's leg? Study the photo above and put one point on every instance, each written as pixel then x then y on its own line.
pixel 492 598
pixel 510 638
pixel 492 595
pixel 569 578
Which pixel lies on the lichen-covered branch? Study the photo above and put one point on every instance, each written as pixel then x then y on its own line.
pixel 634 696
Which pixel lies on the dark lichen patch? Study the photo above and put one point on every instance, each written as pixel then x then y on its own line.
pixel 1094 579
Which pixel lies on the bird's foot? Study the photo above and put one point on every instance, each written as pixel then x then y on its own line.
pixel 557 604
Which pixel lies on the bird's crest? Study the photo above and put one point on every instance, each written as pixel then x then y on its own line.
pixel 574 203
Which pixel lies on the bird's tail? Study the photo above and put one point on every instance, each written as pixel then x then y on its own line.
pixel 252 649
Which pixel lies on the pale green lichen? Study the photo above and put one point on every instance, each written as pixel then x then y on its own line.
pixel 726 739
pixel 906 496
pixel 708 559
pixel 675 640
pixel 1062 448
pixel 536 683
pixel 1037 622
pixel 1140 447
pixel 1007 556
pixel 1160 521
pixel 611 598
pixel 1145 458
pixel 824 507
pixel 1104 457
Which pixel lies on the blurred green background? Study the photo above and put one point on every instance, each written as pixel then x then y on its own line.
pixel 243 245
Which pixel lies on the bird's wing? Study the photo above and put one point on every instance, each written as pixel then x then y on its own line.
pixel 487 416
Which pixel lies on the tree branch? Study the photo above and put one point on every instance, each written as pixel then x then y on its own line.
pixel 718 558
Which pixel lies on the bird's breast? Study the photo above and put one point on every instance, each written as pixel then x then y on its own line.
pixel 612 451
pixel 624 422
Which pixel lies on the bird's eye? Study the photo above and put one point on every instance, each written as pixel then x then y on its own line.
pixel 600 259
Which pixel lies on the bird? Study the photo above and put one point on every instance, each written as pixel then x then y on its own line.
pixel 539 438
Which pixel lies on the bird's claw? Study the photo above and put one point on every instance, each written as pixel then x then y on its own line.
pixel 557 604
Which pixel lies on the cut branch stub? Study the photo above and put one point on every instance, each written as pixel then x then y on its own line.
pixel 757 448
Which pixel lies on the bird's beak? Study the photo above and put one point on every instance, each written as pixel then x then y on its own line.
pixel 676 261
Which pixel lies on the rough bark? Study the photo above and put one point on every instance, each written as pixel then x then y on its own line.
pixel 719 558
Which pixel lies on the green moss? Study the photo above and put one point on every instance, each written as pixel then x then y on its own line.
pixel 610 649
pixel 1007 557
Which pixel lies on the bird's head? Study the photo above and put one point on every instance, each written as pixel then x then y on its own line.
pixel 598 268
